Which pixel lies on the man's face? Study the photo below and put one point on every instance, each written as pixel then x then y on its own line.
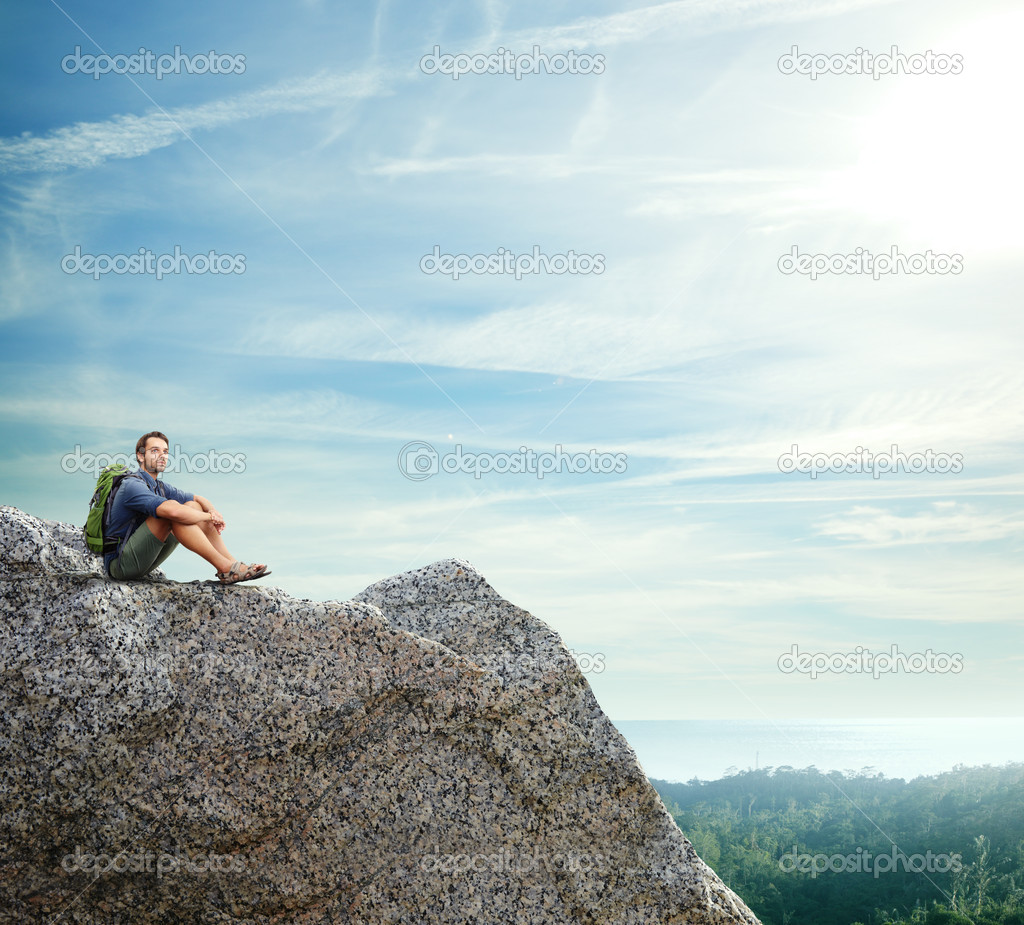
pixel 154 459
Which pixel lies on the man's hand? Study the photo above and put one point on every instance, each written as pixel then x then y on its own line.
pixel 217 519
pixel 215 516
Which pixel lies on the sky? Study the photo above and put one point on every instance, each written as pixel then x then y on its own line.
pixel 593 327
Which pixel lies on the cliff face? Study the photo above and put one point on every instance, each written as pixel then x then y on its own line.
pixel 427 752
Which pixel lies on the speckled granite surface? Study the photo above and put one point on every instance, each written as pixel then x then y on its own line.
pixel 428 752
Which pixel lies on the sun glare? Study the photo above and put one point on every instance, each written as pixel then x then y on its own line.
pixel 943 156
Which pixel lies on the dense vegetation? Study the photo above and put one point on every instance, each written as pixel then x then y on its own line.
pixel 802 847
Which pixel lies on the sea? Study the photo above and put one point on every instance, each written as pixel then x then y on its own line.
pixel 681 750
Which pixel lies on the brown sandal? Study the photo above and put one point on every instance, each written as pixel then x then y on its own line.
pixel 239 571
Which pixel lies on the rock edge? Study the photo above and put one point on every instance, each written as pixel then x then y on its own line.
pixel 426 752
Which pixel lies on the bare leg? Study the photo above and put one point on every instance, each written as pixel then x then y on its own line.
pixel 212 534
pixel 203 539
pixel 192 537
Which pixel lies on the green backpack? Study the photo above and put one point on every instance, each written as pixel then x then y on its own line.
pixel 99 509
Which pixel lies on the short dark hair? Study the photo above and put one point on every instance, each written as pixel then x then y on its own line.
pixel 140 445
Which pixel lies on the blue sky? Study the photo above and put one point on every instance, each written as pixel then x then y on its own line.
pixel 332 164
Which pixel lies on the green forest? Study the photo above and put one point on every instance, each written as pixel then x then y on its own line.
pixel 804 847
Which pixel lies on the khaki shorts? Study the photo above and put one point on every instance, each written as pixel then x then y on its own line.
pixel 142 553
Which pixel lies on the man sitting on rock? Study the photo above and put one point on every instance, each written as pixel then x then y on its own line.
pixel 151 517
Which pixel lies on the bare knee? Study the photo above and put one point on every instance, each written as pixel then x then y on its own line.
pixel 159 527
pixel 194 504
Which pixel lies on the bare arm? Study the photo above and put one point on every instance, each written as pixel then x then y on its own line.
pixel 187 514
pixel 204 503
pixel 207 505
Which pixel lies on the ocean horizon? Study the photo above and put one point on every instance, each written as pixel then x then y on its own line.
pixel 681 750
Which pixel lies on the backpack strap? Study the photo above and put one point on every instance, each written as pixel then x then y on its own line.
pixel 124 539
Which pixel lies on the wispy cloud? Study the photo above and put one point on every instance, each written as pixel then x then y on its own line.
pixel 948 522
pixel 67 404
pixel 660 187
pixel 89 144
pixel 650 172
pixel 569 338
pixel 695 16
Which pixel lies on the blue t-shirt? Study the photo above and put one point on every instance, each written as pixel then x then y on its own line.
pixel 138 496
